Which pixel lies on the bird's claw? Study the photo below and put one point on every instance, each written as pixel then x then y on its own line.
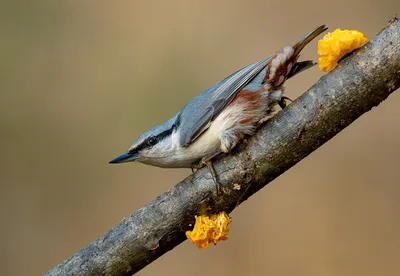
pixel 282 101
pixel 207 161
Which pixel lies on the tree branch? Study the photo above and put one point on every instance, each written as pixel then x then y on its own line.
pixel 360 82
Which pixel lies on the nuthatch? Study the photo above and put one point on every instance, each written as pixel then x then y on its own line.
pixel 216 120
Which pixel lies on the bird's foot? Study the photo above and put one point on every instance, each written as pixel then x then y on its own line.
pixel 210 167
pixel 282 101
pixel 206 160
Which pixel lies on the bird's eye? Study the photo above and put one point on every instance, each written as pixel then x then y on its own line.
pixel 152 141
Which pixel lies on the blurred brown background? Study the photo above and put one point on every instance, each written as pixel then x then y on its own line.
pixel 80 80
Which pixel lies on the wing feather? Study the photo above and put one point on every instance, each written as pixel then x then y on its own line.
pixel 198 114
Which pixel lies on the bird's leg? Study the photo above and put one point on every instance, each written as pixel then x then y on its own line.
pixel 197 166
pixel 207 160
pixel 282 101
pixel 213 175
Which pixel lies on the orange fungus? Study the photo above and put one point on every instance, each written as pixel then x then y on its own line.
pixel 209 229
pixel 335 45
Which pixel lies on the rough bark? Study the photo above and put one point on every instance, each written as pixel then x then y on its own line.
pixel 361 81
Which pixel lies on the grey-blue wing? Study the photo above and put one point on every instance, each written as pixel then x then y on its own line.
pixel 197 115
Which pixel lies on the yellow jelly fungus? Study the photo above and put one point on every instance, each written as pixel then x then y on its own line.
pixel 334 46
pixel 209 229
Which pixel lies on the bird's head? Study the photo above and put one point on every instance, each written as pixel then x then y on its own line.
pixel 155 144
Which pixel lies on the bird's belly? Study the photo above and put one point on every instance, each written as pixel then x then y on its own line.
pixel 185 157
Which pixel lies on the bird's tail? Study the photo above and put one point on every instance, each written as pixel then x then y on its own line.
pixel 283 65
pixel 302 42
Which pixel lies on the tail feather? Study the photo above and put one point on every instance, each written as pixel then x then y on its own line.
pixel 284 65
pixel 300 67
pixel 302 42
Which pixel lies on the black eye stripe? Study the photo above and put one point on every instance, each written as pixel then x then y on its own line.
pixel 151 141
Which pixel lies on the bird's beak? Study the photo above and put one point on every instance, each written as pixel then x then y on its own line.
pixel 126 157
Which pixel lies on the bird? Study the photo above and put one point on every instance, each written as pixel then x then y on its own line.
pixel 215 121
